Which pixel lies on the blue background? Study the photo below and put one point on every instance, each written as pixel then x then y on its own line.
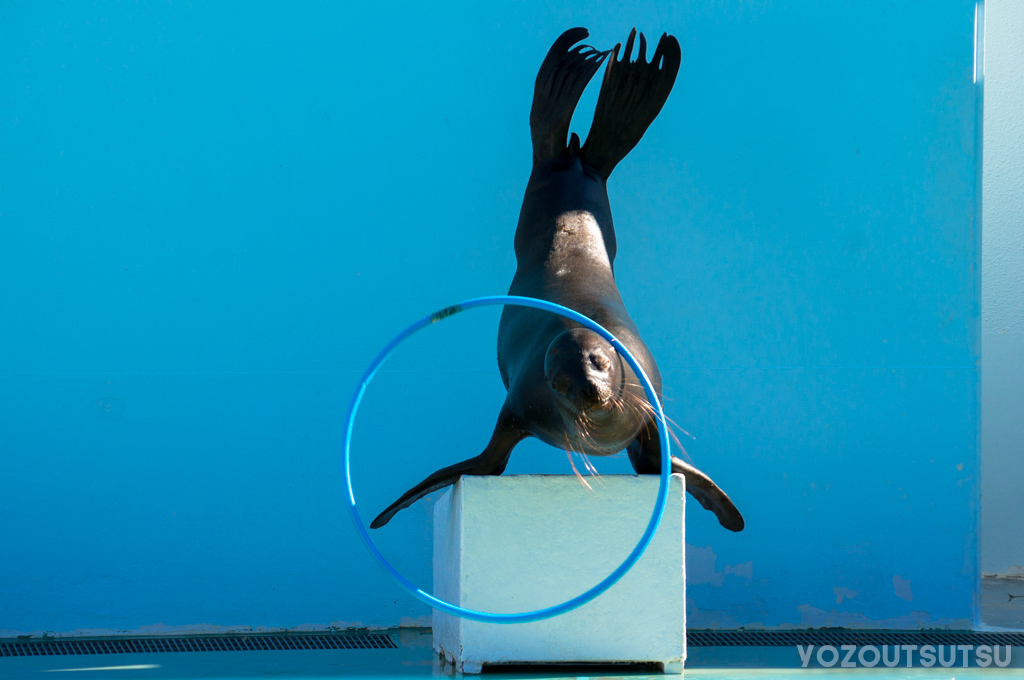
pixel 212 217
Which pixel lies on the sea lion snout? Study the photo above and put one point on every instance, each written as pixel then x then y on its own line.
pixel 582 368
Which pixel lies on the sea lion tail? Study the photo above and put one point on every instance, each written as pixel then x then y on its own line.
pixel 631 97
pixel 563 76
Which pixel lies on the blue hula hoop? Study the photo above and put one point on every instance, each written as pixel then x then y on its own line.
pixel 611 579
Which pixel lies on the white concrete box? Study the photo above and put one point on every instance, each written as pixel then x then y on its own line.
pixel 522 543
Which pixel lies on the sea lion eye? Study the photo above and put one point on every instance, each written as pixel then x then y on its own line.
pixel 600 362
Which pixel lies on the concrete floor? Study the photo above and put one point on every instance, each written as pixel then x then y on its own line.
pixel 414 659
pixel 417 662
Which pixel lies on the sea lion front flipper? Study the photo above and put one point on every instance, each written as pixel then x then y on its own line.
pixel 491 461
pixel 563 76
pixel 645 455
pixel 631 97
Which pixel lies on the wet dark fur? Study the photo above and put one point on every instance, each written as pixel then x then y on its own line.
pixel 566 385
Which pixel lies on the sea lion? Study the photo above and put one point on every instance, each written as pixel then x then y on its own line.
pixel 566 385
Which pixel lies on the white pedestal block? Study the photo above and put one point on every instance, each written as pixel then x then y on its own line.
pixel 522 543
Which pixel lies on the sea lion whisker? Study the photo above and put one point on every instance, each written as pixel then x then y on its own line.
pixel 582 428
pixel 584 424
pixel 592 469
pixel 663 397
pixel 644 407
pixel 583 481
pixel 675 438
pixel 588 439
pixel 630 411
pixel 647 405
pixel 640 414
pixel 635 408
pixel 569 451
pixel 587 442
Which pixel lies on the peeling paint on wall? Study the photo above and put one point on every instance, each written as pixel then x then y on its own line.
pixel 700 567
pixel 844 593
pixel 813 617
pixel 745 570
pixel 901 587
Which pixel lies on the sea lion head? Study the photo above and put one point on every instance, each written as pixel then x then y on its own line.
pixel 584 373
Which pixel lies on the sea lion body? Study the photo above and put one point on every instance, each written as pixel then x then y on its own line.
pixel 565 248
pixel 567 386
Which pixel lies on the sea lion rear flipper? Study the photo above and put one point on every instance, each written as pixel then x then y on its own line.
pixel 631 97
pixel 645 455
pixel 491 461
pixel 563 76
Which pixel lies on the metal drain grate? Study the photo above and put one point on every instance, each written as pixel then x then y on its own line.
pixel 787 638
pixel 694 638
pixel 218 643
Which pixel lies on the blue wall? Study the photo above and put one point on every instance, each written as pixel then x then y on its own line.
pixel 211 217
